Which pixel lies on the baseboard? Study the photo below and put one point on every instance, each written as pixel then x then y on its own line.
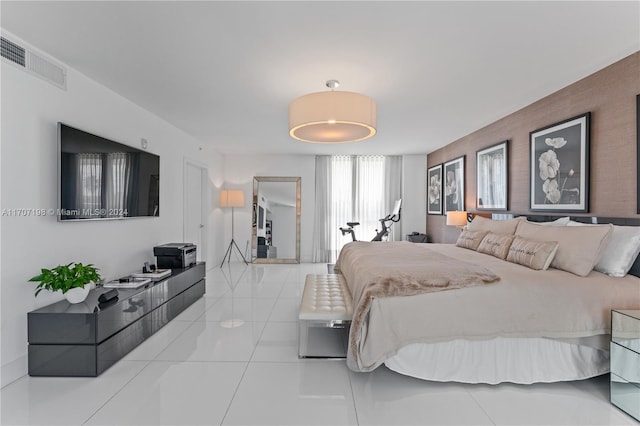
pixel 12 371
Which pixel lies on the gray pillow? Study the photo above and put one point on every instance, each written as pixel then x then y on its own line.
pixel 496 245
pixel 470 239
pixel 508 226
pixel 532 254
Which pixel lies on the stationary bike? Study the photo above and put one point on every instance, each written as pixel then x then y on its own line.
pixel 390 218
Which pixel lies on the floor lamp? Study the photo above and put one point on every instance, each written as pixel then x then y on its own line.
pixel 232 322
pixel 232 198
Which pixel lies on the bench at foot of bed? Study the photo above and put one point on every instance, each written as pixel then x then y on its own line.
pixel 324 317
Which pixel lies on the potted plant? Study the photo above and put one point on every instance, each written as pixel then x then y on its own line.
pixel 70 279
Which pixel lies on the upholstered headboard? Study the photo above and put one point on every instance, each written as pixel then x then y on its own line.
pixel 635 269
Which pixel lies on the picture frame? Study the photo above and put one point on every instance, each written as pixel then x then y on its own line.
pixel 638 153
pixel 559 166
pixel 492 177
pixel 434 189
pixel 453 185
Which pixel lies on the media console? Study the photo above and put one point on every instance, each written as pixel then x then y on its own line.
pixel 85 339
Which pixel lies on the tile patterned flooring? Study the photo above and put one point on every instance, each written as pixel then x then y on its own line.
pixel 231 359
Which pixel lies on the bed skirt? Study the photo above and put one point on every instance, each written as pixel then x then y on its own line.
pixel 515 360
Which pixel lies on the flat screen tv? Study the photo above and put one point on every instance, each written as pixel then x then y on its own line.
pixel 102 179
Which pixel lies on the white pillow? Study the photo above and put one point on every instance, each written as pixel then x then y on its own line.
pixel 563 221
pixel 620 252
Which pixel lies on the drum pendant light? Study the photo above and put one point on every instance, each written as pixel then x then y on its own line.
pixel 332 117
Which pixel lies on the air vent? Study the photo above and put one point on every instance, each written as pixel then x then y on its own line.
pixel 12 52
pixel 34 63
pixel 47 70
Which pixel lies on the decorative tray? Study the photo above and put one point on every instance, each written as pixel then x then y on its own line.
pixel 127 282
pixel 156 275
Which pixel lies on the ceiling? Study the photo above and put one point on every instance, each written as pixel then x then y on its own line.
pixel 225 72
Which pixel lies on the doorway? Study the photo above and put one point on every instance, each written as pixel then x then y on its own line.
pixel 195 199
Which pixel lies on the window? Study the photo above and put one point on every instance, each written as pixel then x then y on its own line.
pixel 353 189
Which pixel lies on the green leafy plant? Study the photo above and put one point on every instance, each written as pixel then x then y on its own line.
pixel 66 277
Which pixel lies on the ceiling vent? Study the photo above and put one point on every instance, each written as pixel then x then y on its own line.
pixel 34 63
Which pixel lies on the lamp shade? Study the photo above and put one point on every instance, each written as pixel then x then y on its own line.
pixel 231 198
pixel 457 218
pixel 332 117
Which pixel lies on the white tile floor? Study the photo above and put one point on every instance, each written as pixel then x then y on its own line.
pixel 200 370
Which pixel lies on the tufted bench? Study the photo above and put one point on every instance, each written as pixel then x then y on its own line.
pixel 324 317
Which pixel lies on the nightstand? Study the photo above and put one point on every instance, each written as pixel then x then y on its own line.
pixel 417 238
pixel 625 361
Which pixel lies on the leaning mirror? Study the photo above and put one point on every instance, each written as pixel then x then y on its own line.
pixel 275 232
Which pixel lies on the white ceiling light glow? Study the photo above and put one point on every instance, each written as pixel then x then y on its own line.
pixel 332 117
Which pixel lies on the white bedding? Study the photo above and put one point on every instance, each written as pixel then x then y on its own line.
pixel 522 360
pixel 524 304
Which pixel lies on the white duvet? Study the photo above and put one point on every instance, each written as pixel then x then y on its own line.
pixel 524 303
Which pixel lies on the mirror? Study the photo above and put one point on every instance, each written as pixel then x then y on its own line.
pixel 275 231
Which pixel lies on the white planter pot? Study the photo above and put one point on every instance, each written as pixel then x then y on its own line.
pixel 77 294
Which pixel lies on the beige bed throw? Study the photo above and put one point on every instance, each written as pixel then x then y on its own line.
pixel 395 269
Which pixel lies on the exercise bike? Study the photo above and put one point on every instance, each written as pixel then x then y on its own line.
pixel 390 218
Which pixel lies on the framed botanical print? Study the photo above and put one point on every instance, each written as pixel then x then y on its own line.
pixel 434 190
pixel 559 166
pixel 492 177
pixel 453 182
pixel 638 153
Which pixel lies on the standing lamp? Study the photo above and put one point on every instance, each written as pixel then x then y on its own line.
pixel 457 218
pixel 232 198
pixel 232 322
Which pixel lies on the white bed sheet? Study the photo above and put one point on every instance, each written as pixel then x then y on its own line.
pixel 498 360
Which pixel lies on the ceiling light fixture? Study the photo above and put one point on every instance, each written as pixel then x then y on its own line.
pixel 332 117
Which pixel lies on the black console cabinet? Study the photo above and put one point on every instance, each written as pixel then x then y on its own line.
pixel 85 339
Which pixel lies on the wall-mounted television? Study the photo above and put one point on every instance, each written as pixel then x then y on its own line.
pixel 102 179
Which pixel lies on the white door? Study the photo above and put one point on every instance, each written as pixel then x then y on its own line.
pixel 193 214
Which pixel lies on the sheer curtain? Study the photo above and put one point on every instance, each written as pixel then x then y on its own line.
pixel 323 231
pixel 103 184
pixel 118 183
pixel 88 184
pixel 353 188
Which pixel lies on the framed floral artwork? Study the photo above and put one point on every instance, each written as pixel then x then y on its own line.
pixel 434 190
pixel 559 166
pixel 638 153
pixel 453 183
pixel 492 177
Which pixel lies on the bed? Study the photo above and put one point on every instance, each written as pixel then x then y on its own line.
pixel 527 326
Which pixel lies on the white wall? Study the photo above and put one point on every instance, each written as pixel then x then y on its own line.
pixel 216 245
pixel 414 194
pixel 239 171
pixel 30 110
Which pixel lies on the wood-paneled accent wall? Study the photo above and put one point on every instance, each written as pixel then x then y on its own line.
pixel 610 95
